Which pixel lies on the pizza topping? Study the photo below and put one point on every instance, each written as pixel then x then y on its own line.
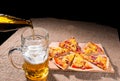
pixel 101 62
pixel 98 60
pixel 56 52
pixel 91 47
pixel 61 63
pixel 70 44
pixel 80 63
pixel 64 61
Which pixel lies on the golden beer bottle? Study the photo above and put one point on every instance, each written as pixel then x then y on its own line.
pixel 10 23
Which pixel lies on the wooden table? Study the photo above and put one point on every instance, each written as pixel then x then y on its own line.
pixel 59 30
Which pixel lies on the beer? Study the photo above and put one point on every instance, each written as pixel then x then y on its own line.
pixel 36 72
pixel 36 61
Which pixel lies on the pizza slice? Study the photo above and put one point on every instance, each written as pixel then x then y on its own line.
pixel 100 61
pixel 70 44
pixel 92 48
pixel 79 63
pixel 63 62
pixel 56 52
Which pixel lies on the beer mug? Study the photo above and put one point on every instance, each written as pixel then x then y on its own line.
pixel 34 50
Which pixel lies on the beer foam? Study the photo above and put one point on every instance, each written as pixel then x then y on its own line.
pixel 35 54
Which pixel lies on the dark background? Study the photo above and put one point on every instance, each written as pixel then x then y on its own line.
pixel 105 14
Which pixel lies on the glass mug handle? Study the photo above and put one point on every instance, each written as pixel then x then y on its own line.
pixel 10 56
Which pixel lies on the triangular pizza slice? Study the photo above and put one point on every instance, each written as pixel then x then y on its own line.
pixel 56 52
pixel 80 63
pixel 64 61
pixel 92 48
pixel 100 61
pixel 71 44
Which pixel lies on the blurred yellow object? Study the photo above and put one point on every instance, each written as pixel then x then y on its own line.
pixel 11 23
pixel 4 19
pixel 7 19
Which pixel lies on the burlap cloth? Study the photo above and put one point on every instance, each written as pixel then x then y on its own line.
pixel 61 29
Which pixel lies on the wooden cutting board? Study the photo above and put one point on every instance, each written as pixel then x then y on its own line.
pixel 54 66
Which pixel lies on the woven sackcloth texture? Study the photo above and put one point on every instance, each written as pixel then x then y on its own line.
pixel 61 29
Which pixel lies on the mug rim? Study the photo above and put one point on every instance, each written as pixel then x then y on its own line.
pixel 41 28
